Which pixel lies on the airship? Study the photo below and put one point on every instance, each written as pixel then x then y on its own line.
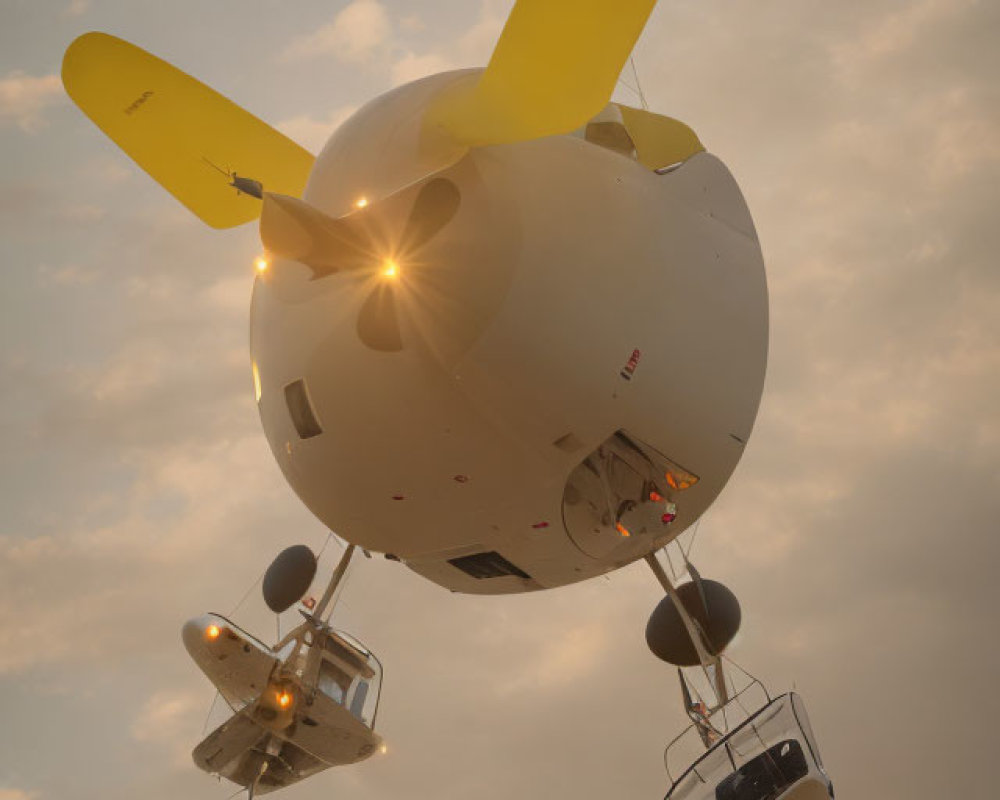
pixel 504 331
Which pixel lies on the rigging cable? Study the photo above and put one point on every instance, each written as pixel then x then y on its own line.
pixel 211 708
pixel 247 594
pixel 329 536
pixel 694 533
pixel 635 73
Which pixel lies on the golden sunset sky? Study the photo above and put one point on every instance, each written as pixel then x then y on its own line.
pixel 860 531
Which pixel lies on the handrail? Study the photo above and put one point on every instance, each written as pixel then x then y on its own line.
pixel 721 709
pixel 722 740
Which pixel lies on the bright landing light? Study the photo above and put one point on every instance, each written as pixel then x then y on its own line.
pixel 260 263
pixel 389 269
pixel 212 632
pixel 361 202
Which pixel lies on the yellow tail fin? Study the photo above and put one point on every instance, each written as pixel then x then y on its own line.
pixel 181 132
pixel 555 67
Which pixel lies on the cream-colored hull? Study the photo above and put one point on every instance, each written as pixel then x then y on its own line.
pixel 563 260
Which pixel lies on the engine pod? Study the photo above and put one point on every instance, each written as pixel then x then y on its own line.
pixel 719 616
pixel 289 577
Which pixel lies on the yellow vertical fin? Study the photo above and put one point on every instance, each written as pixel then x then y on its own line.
pixel 659 141
pixel 181 132
pixel 554 67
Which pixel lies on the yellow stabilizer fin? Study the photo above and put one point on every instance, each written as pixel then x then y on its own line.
pixel 659 141
pixel 555 67
pixel 184 134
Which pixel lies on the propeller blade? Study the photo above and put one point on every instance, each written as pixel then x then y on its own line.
pixel 435 206
pixel 291 228
pixel 180 131
pixel 554 67
pixel 378 320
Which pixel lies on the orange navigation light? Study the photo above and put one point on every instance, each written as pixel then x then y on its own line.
pixel 212 632
pixel 390 269
pixel 622 529
pixel 284 699
pixel 260 263
pixel 361 202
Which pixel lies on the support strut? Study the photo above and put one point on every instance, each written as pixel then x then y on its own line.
pixel 698 639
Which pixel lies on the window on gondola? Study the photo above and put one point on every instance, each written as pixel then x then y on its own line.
pixel 333 681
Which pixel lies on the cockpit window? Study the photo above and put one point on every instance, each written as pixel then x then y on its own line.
pixel 333 681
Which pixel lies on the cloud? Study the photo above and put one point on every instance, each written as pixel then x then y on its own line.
pixel 158 718
pixel 364 32
pixel 312 132
pixel 178 521
pixel 559 661
pixel 858 531
pixel 76 8
pixel 895 33
pixel 356 34
pixel 17 794
pixel 412 23
pixel 471 48
pixel 170 720
pixel 24 98
pixel 82 213
pixel 411 66
pixel 68 275
pixel 474 47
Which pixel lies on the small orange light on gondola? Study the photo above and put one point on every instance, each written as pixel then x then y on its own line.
pixel 285 699
pixel 656 497
pixel 622 529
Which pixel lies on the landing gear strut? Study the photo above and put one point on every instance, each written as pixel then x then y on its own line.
pixel 751 748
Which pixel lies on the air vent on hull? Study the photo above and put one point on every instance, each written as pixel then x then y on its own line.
pixel 301 411
pixel 487 565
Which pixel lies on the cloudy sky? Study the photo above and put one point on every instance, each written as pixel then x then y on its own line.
pixel 860 531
